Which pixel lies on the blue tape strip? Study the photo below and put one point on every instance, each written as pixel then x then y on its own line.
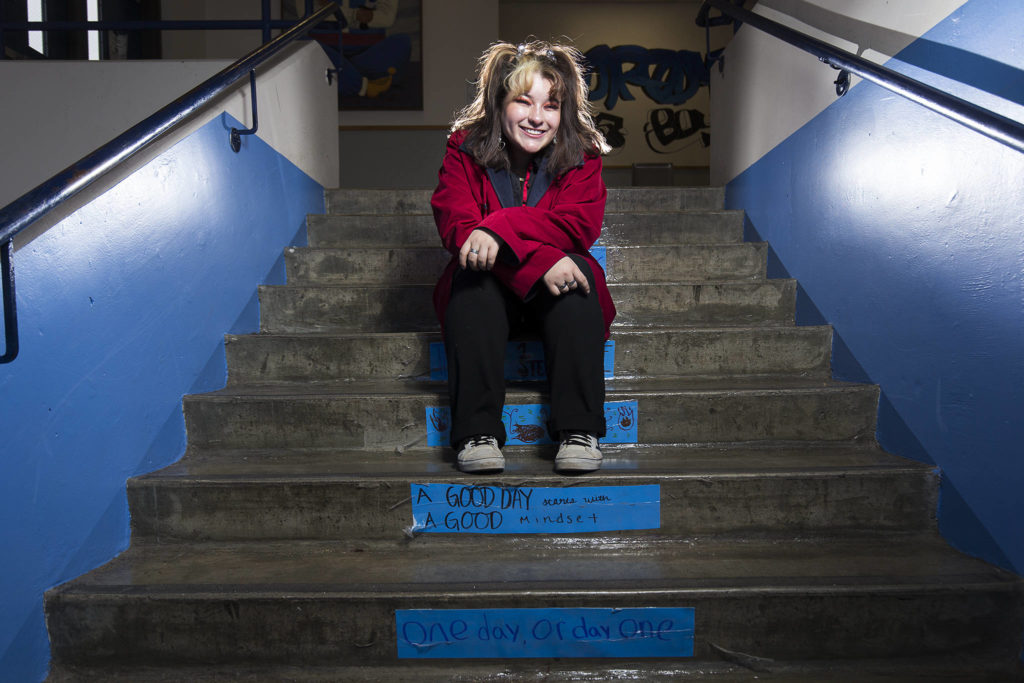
pixel 458 508
pixel 545 632
pixel 620 420
pixel 600 255
pixel 438 362
pixel 524 361
pixel 527 423
pixel 609 359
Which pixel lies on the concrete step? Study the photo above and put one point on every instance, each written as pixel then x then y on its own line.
pixel 333 603
pixel 339 495
pixel 936 669
pixel 619 229
pixel 357 201
pixel 620 199
pixel 675 352
pixel 409 308
pixel 392 415
pixel 423 265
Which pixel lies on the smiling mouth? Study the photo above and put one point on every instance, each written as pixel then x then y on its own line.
pixel 533 132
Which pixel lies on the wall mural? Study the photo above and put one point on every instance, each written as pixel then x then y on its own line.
pixel 665 77
pixel 378 53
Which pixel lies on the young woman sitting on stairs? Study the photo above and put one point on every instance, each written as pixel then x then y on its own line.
pixel 519 203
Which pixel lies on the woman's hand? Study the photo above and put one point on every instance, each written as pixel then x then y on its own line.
pixel 564 277
pixel 479 251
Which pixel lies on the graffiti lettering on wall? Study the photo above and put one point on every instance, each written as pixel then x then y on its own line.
pixel 667 130
pixel 611 127
pixel 667 77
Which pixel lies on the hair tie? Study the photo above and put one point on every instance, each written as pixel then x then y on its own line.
pixel 547 53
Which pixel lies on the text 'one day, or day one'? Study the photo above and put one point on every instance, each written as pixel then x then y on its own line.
pixel 546 632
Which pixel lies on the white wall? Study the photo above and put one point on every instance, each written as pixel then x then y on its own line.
pixel 65 110
pixel 756 109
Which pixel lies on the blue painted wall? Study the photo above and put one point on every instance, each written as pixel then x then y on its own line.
pixel 122 310
pixel 906 232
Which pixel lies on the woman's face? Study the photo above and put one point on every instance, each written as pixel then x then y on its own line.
pixel 530 121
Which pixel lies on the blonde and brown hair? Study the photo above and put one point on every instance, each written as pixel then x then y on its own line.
pixel 505 68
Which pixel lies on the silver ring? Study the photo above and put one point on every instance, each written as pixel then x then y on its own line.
pixel 474 251
pixel 565 285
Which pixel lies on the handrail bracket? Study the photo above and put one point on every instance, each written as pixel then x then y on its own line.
pixel 10 304
pixel 842 81
pixel 237 133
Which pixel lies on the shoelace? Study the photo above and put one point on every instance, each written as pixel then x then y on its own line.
pixel 578 439
pixel 479 440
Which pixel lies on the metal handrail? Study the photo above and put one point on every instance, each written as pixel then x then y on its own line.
pixel 36 203
pixel 988 123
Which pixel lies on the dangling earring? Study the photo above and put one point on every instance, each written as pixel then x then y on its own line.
pixel 501 143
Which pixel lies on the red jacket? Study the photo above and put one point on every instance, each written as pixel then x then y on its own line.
pixel 566 219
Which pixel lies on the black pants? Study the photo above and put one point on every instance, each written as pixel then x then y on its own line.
pixel 480 318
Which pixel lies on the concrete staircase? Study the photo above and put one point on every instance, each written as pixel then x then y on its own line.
pixel 281 545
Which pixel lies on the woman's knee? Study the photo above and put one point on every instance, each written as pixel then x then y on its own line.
pixel 476 288
pixel 478 306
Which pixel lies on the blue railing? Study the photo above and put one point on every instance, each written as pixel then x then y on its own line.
pixel 982 120
pixel 36 203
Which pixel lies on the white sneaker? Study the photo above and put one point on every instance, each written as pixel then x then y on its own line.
pixel 578 453
pixel 481 454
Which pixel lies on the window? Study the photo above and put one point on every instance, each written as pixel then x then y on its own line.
pixel 35 38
